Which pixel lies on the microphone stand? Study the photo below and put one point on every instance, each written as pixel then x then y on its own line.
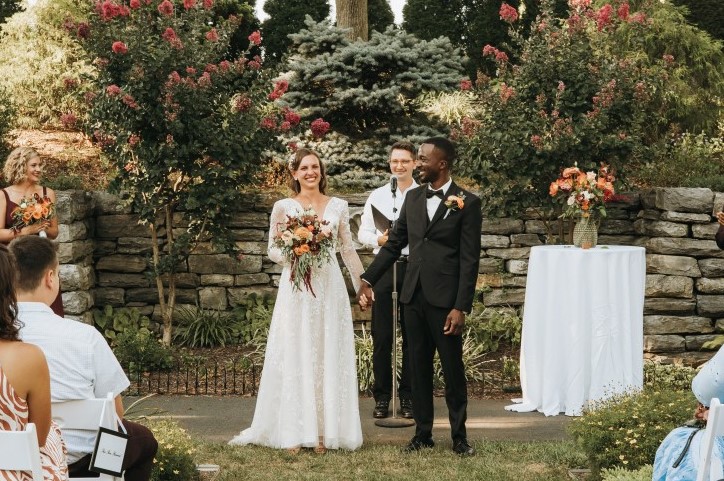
pixel 394 421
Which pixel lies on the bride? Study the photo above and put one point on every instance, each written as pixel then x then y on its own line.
pixel 308 395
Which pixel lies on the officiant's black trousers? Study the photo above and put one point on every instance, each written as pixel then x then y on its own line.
pixel 425 325
pixel 383 339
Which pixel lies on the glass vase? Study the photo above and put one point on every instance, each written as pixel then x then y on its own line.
pixel 585 233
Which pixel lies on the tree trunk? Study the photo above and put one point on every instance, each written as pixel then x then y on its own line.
pixel 353 14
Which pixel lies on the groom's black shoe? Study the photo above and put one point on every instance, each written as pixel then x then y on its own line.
pixel 462 447
pixel 382 409
pixel 406 408
pixel 417 443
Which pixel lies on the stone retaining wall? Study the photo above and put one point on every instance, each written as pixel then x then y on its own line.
pixel 104 254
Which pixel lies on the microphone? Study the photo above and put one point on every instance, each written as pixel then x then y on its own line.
pixel 393 184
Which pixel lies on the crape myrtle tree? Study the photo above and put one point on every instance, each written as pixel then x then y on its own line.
pixel 570 98
pixel 367 92
pixel 379 15
pixel 352 16
pixel 185 126
pixel 287 17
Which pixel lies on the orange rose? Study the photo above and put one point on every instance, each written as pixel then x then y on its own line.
pixel 584 205
pixel 310 228
pixel 570 171
pixel 460 202
pixel 304 248
pixel 601 182
pixel 553 188
pixel 26 217
pixel 45 211
pixel 566 184
pixel 302 233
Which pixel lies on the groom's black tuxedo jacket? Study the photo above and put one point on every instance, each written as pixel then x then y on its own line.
pixel 444 252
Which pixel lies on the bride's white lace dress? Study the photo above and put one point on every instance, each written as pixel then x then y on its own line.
pixel 308 386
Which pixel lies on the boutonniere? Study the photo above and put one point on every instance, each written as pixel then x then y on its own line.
pixel 454 203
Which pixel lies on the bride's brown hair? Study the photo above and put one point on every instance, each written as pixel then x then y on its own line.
pixel 9 326
pixel 294 166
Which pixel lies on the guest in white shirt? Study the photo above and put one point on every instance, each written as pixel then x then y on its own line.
pixel 402 164
pixel 81 364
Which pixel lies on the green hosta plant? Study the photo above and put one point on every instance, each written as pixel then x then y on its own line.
pixel 185 125
pixel 203 327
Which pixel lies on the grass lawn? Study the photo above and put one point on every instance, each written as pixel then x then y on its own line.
pixel 494 461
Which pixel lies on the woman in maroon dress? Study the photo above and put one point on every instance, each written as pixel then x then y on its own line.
pixel 23 169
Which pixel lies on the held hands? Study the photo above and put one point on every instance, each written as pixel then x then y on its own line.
pixel 454 323
pixel 365 296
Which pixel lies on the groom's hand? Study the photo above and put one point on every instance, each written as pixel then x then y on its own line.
pixel 454 323
pixel 365 296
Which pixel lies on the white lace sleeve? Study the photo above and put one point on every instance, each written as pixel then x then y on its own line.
pixel 346 248
pixel 278 220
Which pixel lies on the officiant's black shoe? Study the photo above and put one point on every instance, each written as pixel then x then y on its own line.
pixel 406 408
pixel 417 444
pixel 382 409
pixel 462 448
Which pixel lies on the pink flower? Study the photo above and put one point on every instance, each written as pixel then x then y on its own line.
pixel 130 101
pixel 113 90
pixel 255 38
pixel 466 84
pixel 638 17
pixel 134 139
pixel 108 10
pixel 284 126
pixel 254 64
pixel 501 56
pixel 489 50
pixel 242 103
pixel 508 13
pixel 537 142
pixel 169 35
pixel 211 68
pixel 622 11
pixel 189 4
pixel 173 78
pixel 70 83
pixel 89 97
pixel 292 117
pixel 212 35
pixel 603 16
pixel 68 120
pixel 224 65
pixel 669 59
pixel 268 123
pixel 165 8
pixel 83 30
pixel 134 4
pixel 561 86
pixel 279 89
pixel 190 70
pixel 205 80
pixel 208 4
pixel 319 127
pixel 119 47
pixel 506 93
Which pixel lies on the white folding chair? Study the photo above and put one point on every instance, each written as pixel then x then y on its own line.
pixel 19 451
pixel 86 415
pixel 708 464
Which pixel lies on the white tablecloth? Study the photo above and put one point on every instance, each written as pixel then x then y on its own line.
pixel 582 334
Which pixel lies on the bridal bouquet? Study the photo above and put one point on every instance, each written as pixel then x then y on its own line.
pixel 307 242
pixel 584 193
pixel 31 211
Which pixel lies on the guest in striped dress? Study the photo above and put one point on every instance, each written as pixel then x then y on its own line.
pixel 25 384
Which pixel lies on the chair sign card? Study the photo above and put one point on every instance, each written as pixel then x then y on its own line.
pixel 109 452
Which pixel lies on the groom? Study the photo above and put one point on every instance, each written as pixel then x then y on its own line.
pixel 444 239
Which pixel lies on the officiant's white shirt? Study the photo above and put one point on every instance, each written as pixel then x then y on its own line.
pixel 382 199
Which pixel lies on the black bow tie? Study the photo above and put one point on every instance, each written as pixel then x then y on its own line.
pixel 433 193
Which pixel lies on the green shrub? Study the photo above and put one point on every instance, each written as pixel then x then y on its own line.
pixel 364 349
pixel 174 460
pixel 112 322
pixel 644 473
pixel 492 327
pixel 141 351
pixel 252 317
pixel 671 377
pixel 203 327
pixel 626 430
pixel 7 118
pixel 66 182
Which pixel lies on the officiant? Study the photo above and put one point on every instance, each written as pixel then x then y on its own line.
pixel 382 207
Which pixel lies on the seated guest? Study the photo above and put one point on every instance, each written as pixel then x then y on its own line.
pixel 81 364
pixel 720 233
pixel 677 459
pixel 25 383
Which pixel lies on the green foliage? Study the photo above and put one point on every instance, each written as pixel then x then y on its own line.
pixel 7 120
pixel 287 17
pixel 430 19
pixel 174 460
pixel 65 182
pixel 492 327
pixel 379 15
pixel 688 161
pixel 550 111
pixel 644 473
pixel 364 349
pixel 203 327
pixel 112 322
pixel 247 23
pixel 8 8
pixel 43 68
pixel 252 317
pixel 626 430
pixel 366 91
pixel 706 14
pixel 669 377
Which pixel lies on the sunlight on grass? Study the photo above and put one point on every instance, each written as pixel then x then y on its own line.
pixel 494 461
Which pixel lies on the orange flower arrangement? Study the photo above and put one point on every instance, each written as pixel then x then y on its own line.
pixel 307 242
pixel 31 211
pixel 584 193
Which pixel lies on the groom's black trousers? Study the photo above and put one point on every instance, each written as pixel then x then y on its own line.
pixel 425 325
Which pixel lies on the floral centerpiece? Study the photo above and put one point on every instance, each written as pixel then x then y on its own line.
pixel 584 195
pixel 307 242
pixel 32 211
